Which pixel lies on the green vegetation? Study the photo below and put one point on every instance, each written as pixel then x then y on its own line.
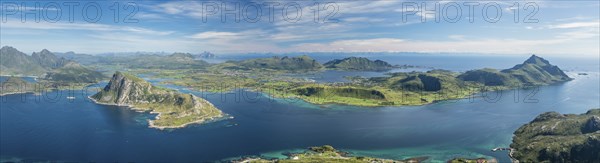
pixel 554 137
pixel 48 66
pixel 170 62
pixel 358 64
pixel 292 64
pixel 534 71
pixel 402 88
pixel 478 160
pixel 73 72
pixel 174 109
pixel 16 85
pixel 14 62
pixel 327 154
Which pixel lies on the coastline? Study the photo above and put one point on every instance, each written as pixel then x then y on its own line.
pixel 13 93
pixel 151 122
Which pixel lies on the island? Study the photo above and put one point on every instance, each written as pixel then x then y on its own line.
pixel 325 153
pixel 174 109
pixel 272 77
pixel 358 64
pixel 555 137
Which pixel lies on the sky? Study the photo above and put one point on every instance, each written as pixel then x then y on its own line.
pixel 558 28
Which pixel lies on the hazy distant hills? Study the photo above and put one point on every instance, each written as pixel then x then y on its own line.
pixel 46 65
pixel 554 137
pixel 305 63
pixel 359 64
pixel 301 63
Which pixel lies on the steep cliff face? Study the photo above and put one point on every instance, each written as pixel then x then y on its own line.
pixel 48 60
pixel 175 109
pixel 553 137
pixel 14 62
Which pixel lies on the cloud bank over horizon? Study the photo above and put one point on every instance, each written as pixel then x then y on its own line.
pixel 555 28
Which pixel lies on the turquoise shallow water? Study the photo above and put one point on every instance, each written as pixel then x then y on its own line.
pixel 50 127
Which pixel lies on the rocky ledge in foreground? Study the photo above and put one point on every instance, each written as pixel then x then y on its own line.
pixel 174 109
pixel 554 137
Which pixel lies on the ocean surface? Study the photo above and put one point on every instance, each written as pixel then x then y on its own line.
pixel 50 127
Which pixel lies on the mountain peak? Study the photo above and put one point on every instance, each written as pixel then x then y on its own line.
pixel 8 48
pixel 534 59
pixel 45 51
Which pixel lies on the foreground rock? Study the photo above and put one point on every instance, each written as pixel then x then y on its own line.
pixel 553 137
pixel 174 109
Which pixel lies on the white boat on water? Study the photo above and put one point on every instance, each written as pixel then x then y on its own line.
pixel 70 97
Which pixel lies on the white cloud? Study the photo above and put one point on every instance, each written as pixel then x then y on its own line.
pixel 42 25
pixel 592 24
pixel 502 46
pixel 215 35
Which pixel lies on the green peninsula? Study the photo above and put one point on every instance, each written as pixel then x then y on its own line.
pixel 174 109
pixel 555 137
pixel 14 85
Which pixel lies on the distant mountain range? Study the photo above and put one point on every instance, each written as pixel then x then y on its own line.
pixel 298 64
pixel 555 137
pixel 46 65
pixel 305 63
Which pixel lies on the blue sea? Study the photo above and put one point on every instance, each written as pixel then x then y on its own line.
pixel 50 127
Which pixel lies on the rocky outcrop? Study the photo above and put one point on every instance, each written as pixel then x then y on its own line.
pixel 592 125
pixel 554 137
pixel 174 109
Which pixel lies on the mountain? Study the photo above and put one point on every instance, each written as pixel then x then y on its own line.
pixel 182 56
pixel 554 137
pixel 488 77
pixel 84 59
pixel 173 61
pixel 359 64
pixel 48 60
pixel 301 63
pixel 205 55
pixel 47 65
pixel 174 109
pixel 534 71
pixel 74 72
pixel 14 62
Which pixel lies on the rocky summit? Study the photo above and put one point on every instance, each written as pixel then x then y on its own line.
pixel 174 109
